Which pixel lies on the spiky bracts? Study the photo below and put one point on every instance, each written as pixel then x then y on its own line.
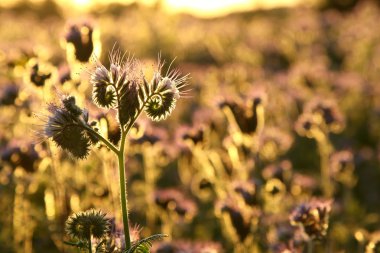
pixel 83 225
pixel 65 126
pixel 124 87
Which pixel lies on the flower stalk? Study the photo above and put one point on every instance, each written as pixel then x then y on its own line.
pixel 123 88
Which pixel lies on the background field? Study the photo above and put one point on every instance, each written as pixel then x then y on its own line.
pixel 232 178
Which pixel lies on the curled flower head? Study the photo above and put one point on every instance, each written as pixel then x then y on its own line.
pixel 247 191
pixel 274 142
pixel 39 73
pixel 305 124
pixel 162 93
pixel 65 127
pixel 313 218
pixel 281 171
pixel 191 136
pixel 342 167
pixel 81 37
pixel 24 156
pixel 238 218
pixel 9 95
pixel 64 74
pixel 342 161
pixel 83 225
pixel 124 87
pixel 247 114
pixel 104 93
pixel 185 246
pixel 174 200
pixel 326 114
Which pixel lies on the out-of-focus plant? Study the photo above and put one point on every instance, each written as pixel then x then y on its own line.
pixel 124 88
pixel 313 218
pixel 319 119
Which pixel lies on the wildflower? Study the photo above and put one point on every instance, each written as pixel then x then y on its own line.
pixel 24 156
pixel 64 74
pixel 83 225
pixel 341 162
pixel 274 142
pixel 303 184
pixel 247 122
pixel 188 247
pixel 9 95
pixel 331 117
pixel 162 93
pixel 305 124
pixel 192 136
pixel 174 200
pixel 104 94
pixel 281 171
pixel 313 218
pixel 65 127
pixel 239 220
pixel 125 88
pixel 81 37
pixel 247 190
pixel 37 77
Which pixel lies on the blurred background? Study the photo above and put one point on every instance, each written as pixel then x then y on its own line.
pixel 284 110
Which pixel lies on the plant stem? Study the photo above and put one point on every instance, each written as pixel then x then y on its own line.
pixel 310 246
pixel 123 190
pixel 89 245
pixel 100 137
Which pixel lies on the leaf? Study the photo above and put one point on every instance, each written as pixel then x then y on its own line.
pixel 144 245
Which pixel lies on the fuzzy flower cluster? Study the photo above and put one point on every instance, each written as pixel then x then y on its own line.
pixel 124 87
pixel 66 126
pixel 313 218
pixel 83 225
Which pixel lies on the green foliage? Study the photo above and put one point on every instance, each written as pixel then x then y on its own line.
pixel 144 245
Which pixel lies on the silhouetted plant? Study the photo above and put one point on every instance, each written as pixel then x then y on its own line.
pixel 124 88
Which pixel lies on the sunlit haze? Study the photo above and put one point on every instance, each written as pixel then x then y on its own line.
pixel 200 8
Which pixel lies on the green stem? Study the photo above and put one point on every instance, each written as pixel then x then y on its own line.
pixel 123 197
pixel 123 184
pixel 89 245
pixel 100 137
pixel 310 246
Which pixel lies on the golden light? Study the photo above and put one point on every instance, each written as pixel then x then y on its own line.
pixel 212 8
pixel 199 8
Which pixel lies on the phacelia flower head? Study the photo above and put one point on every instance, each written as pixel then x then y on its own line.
pixel 313 218
pixel 163 91
pixel 327 114
pixel 65 127
pixel 124 87
pixel 81 37
pixel 83 225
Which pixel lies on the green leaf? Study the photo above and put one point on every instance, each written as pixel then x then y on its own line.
pixel 144 245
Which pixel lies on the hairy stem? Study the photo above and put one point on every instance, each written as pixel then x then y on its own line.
pixel 123 183
pixel 101 138
pixel 123 191
pixel 89 245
